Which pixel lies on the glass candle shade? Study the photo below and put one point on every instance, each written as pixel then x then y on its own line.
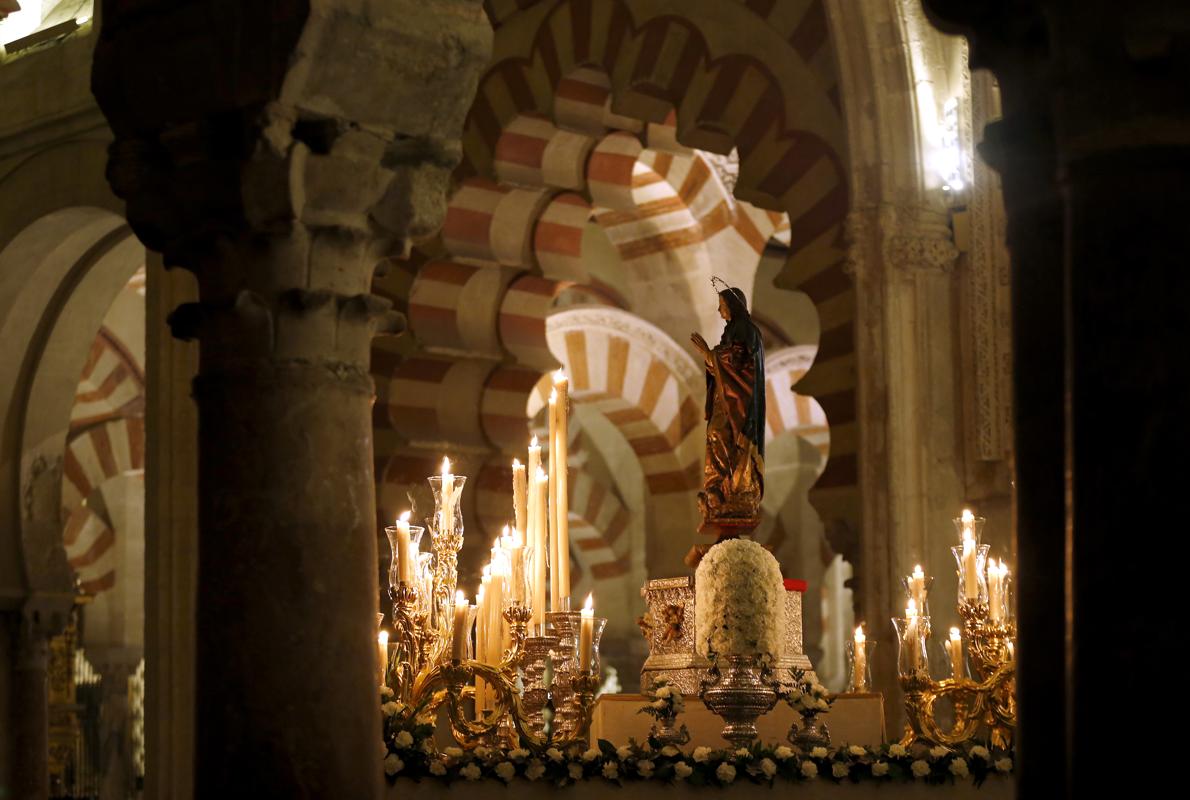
pixel 973 524
pixel 953 658
pixel 999 597
pixel 912 657
pixel 971 565
pixel 439 525
pixel 467 620
pixel 859 655
pixel 598 624
pixel 394 569
pixel 923 602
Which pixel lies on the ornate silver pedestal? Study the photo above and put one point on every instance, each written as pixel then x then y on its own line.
pixel 668 626
pixel 739 693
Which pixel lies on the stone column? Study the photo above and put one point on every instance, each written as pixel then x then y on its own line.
pixel 30 707
pixel 298 145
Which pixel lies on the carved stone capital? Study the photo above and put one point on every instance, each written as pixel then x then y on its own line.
pixel 906 239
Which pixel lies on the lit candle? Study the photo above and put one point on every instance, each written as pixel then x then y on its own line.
pixel 406 566
pixel 481 636
pixel 954 649
pixel 552 513
pixel 520 499
pixel 912 637
pixel 514 548
pixel 967 519
pixel 997 575
pixel 561 386
pixel 970 574
pixel 586 634
pixel 447 523
pixel 540 566
pixel 458 643
pixel 917 586
pixel 382 652
pixel 860 661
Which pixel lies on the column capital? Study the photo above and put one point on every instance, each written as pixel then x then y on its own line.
pixel 907 238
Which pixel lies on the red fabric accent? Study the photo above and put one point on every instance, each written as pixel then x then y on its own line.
pixel 795 585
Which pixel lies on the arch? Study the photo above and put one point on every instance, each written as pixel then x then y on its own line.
pixel 101 452
pixel 789 412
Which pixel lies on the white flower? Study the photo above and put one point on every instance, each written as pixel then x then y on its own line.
pixel 768 767
pixel 393 765
pixel 701 754
pixel 657 704
pixel 535 770
pixel 809 769
pixel 645 768
pixel 591 754
pixel 1004 764
pixel 482 752
pixel 427 746
pixel 453 752
pixel 839 769
pixel 389 709
pixel 385 691
pixel 818 752
pixel 897 750
pixel 783 753
pixel 506 771
pixel 554 754
pixel 518 754
pixel 437 767
pixel 959 767
pixel 981 752
pixel 624 752
pixel 743 752
pixel 611 771
pixel 470 772
pixel 880 769
pixel 682 770
pixel 670 751
pixel 739 604
pixel 575 771
pixel 664 692
pixel 938 752
pixel 857 750
pixel 725 773
pixel 920 768
pixel 404 739
pixel 822 705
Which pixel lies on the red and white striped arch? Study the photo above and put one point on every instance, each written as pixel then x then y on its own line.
pixel 788 411
pixel 98 453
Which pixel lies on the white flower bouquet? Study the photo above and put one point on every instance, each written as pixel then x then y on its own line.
pixel 739 601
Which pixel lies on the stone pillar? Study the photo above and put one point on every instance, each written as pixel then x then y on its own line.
pixel 30 708
pixel 298 145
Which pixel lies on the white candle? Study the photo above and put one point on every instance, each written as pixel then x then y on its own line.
pixel 860 661
pixel 917 586
pixel 447 523
pixel 970 574
pixel 954 649
pixel 994 608
pixel 586 634
pixel 520 499
pixel 458 643
pixel 540 569
pixel 481 636
pixel 514 548
pixel 555 595
pixel 382 653
pixel 912 637
pixel 406 565
pixel 561 386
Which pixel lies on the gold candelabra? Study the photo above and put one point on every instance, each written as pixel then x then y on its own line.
pixel 429 667
pixel 983 702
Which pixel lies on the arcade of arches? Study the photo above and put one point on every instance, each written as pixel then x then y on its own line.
pixel 303 250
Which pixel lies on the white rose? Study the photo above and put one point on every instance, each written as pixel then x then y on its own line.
pixel 880 769
pixel 682 770
pixel 897 750
pixel 959 767
pixel 482 752
pixel 404 739
pixel 575 771
pixel 591 754
pixel 389 709
pixel 768 767
pixel 743 752
pixel 453 752
pixel 506 771
pixel 822 705
pixel 518 754
pixel 857 750
pixel 670 751
pixel 1003 765
pixel 385 691
pixel 840 770
pixel 981 752
pixel 554 754
pixel 920 768
pixel 664 692
pixel 624 752
pixel 470 772
pixel 818 752
pixel 611 771
pixel 657 704
pixel 809 769
pixel 437 767
pixel 783 753
pixel 645 768
pixel 701 754
pixel 725 773
pixel 393 765
pixel 939 752
pixel 535 770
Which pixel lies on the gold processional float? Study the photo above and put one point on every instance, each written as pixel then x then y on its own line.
pixel 512 670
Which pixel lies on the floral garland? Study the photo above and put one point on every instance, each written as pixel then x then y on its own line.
pixel 414 757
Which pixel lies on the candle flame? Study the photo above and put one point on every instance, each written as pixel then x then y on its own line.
pixel 859 634
pixel 955 635
pixel 460 598
pixel 382 638
pixel 917 573
pixel 404 517
pixel 504 532
pixel 559 376
pixel 589 604
pixel 542 475
pixel 967 516
pixel 533 441
pixel 516 463
pixel 911 608
pixel 445 465
pixel 487 572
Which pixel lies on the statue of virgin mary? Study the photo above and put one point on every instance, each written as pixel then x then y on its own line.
pixel 733 472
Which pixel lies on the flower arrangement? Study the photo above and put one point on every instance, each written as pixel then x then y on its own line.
pixel 666 700
pixel 739 601
pixel 807 697
pixel 408 735
pixel 702 766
